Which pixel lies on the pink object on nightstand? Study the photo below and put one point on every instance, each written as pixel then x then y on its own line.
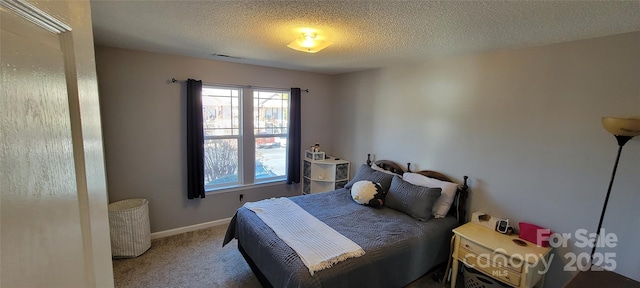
pixel 530 233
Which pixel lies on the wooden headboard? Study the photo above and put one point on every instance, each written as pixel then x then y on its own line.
pixel 458 207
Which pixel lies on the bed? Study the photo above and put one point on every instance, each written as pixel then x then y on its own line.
pixel 398 248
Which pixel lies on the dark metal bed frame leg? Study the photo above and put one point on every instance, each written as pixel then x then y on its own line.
pixel 261 278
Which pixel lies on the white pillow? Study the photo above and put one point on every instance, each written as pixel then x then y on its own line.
pixel 442 205
pixel 378 168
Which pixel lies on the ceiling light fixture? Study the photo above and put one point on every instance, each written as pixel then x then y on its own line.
pixel 309 42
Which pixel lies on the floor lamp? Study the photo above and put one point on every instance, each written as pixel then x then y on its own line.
pixel 623 129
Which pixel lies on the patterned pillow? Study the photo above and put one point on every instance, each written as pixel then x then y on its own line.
pixel 366 173
pixel 415 201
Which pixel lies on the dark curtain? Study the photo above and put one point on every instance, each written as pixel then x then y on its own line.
pixel 293 143
pixel 195 140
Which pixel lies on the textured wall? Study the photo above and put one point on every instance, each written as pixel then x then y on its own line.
pixel 524 125
pixel 365 34
pixel 145 134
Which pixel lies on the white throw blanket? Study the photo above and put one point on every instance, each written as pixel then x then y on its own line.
pixel 317 244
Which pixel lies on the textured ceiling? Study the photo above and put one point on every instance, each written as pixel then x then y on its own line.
pixel 366 34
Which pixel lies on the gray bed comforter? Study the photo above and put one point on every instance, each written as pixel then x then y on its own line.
pixel 398 248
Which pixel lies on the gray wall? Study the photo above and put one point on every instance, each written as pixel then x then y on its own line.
pixel 143 120
pixel 524 125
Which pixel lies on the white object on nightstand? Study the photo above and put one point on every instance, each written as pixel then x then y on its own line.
pixel 484 219
pixel 498 257
pixel 324 175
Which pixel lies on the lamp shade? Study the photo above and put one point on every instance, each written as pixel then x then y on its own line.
pixel 622 126
pixel 309 42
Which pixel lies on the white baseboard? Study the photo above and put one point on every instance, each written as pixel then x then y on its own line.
pixel 176 231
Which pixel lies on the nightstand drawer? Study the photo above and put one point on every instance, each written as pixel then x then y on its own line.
pixel 496 258
pixel 496 272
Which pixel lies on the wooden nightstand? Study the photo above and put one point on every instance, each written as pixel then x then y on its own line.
pixel 497 256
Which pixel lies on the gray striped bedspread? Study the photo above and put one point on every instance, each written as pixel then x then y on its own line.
pixel 398 248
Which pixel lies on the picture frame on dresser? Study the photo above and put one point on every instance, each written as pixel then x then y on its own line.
pixel 316 156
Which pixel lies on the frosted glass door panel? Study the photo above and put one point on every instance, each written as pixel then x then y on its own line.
pixel 39 213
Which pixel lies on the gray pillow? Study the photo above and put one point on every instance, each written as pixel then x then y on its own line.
pixel 413 200
pixel 367 173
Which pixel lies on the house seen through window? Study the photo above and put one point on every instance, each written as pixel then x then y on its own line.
pixel 238 151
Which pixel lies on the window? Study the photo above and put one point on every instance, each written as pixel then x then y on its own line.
pixel 240 151
pixel 222 137
pixel 270 129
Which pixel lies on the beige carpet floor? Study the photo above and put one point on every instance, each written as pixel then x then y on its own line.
pixel 197 259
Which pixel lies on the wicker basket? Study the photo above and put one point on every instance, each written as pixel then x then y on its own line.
pixel 129 228
pixel 475 279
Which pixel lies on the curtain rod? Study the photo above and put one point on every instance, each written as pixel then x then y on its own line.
pixel 174 80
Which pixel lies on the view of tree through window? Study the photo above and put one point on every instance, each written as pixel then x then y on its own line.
pixel 223 136
pixel 221 124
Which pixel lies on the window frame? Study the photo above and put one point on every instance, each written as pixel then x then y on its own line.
pixel 247 141
pixel 239 139
pixel 272 135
